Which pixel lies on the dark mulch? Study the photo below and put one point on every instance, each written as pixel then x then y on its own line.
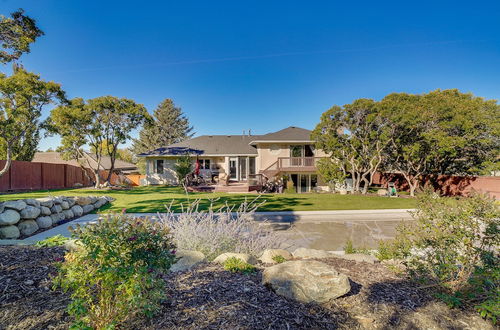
pixel 210 298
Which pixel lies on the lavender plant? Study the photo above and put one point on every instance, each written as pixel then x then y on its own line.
pixel 216 231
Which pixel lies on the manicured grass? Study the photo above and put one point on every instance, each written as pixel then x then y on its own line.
pixel 153 199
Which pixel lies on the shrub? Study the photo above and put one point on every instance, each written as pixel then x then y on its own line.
pixel 214 232
pixel 349 248
pixel 117 272
pixel 454 246
pixel 52 241
pixel 279 259
pixel 236 265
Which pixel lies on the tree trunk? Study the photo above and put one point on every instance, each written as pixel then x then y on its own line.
pixel 365 186
pixel 8 161
pixel 97 178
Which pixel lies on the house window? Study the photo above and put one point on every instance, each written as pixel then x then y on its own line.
pixel 204 164
pixel 159 166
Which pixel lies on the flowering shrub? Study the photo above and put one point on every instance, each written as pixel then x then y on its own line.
pixel 453 244
pixel 116 273
pixel 228 229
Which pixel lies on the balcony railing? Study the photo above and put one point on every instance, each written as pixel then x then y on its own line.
pixel 291 162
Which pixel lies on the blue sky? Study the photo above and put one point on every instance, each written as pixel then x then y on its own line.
pixel 262 65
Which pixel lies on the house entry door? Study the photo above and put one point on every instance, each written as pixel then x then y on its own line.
pixel 233 168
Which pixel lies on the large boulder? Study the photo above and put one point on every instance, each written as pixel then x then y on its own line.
pixel 44 210
pixel 306 281
pixel 77 210
pixel 88 208
pixel 71 201
pixel 242 256
pixel 65 205
pixel 46 201
pixel 30 212
pixel 100 202
pixel 359 257
pixel 72 245
pixel 32 202
pixel 304 253
pixel 68 214
pixel 93 199
pixel 382 192
pixel 15 205
pixel 9 217
pixel 269 254
pixel 9 232
pixel 188 259
pixel 27 227
pixel 44 222
pixel 56 208
pixel 57 217
pixel 82 200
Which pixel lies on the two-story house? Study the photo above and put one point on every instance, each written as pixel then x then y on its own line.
pixel 289 152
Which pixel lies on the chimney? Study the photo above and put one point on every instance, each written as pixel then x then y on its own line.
pixel 249 132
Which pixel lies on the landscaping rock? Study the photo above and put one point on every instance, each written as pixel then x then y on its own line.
pixel 359 257
pixel 88 208
pixel 100 202
pixel 47 201
pixel 27 227
pixel 44 222
pixel 242 256
pixel 2 208
pixel 77 210
pixel 57 217
pixel 306 281
pixel 68 214
pixel 78 185
pixel 82 200
pixel 30 212
pixel 188 259
pixel 56 208
pixel 44 210
pixel 65 205
pixel 72 245
pixel 15 205
pixel 9 232
pixel 71 201
pixel 267 255
pixel 382 192
pixel 93 199
pixel 311 253
pixel 32 202
pixel 9 217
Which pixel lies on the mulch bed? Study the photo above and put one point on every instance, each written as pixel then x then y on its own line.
pixel 210 298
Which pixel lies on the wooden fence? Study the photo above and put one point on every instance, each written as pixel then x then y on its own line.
pixel 38 176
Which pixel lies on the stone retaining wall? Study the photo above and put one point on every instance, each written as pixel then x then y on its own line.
pixel 24 217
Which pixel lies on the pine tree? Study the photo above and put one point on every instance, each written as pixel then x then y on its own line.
pixel 169 126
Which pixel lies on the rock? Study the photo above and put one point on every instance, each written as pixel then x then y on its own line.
pixel 382 192
pixel 47 201
pixel 188 259
pixel 32 202
pixel 68 214
pixel 57 217
pixel 65 205
pixel 9 232
pixel 78 185
pixel 82 200
pixel 45 210
pixel 242 256
pixel 100 202
pixel 72 245
pixel 9 217
pixel 27 227
pixel 15 205
pixel 56 208
pixel 71 201
pixel 311 253
pixel 88 208
pixel 306 281
pixel 77 210
pixel 93 199
pixel 30 212
pixel 29 282
pixel 268 254
pixel 359 257
pixel 2 208
pixel 44 222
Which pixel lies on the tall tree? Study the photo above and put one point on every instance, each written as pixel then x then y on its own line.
pixel 23 96
pixel 102 123
pixel 169 125
pixel 17 32
pixel 356 137
pixel 442 132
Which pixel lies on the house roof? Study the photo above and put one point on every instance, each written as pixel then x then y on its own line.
pixel 289 134
pixel 56 158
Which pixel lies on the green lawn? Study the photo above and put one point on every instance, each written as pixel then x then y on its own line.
pixel 153 199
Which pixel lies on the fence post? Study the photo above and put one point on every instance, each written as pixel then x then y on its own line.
pixel 65 175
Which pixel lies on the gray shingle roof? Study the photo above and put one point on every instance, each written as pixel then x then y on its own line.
pixel 291 133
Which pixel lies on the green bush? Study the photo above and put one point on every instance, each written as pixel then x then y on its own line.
pixel 117 272
pixel 236 265
pixel 392 249
pixel 278 259
pixel 454 246
pixel 52 241
pixel 350 249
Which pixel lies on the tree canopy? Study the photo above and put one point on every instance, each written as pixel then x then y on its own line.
pixel 17 32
